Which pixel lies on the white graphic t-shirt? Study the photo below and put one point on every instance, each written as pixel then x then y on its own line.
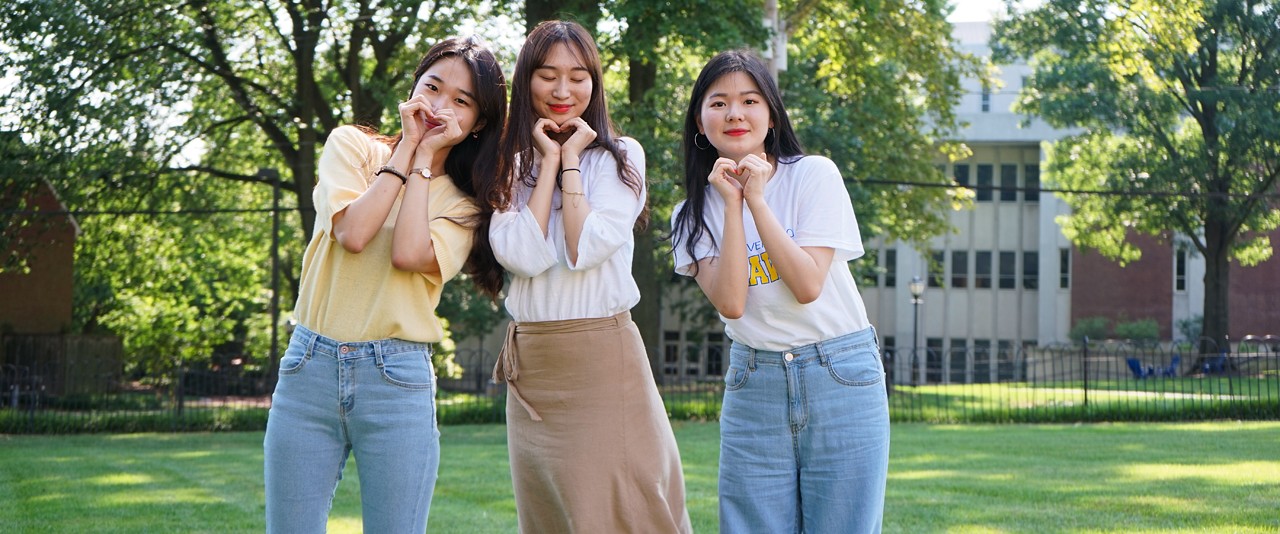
pixel 809 199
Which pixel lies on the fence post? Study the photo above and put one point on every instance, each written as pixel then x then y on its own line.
pixel 1084 367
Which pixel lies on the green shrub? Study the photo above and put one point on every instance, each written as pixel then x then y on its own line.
pixel 1094 328
pixel 1143 332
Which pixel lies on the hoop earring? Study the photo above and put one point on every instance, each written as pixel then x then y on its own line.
pixel 475 135
pixel 695 141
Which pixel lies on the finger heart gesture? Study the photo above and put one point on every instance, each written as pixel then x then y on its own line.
pixel 542 141
pixel 441 129
pixel 756 172
pixel 727 179
pixel 415 115
pixel 581 135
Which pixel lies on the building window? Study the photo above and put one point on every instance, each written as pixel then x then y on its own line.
pixel 1030 270
pixel 958 360
pixel 985 182
pixel 1064 268
pixel 1180 270
pixel 959 268
pixel 1032 192
pixel 1006 366
pixel 986 100
pixel 982 269
pixel 982 360
pixel 933 360
pixel 692 355
pixel 1008 274
pixel 891 268
pixel 715 354
pixel 869 276
pixel 962 175
pixel 671 352
pixel 936 265
pixel 1008 183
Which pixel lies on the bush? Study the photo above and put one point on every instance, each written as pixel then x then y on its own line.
pixel 1092 327
pixel 1143 332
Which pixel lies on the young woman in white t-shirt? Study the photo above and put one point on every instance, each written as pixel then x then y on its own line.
pixel 591 446
pixel 767 232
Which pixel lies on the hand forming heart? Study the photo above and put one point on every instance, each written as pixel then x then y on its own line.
pixel 550 138
pixel 416 118
pixel 737 180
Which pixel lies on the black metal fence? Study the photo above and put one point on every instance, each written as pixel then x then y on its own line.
pixel 51 386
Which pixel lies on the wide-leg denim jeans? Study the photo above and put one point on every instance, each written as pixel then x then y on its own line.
pixel 373 399
pixel 805 438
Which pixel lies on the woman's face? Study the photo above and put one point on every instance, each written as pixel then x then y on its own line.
pixel 734 116
pixel 447 84
pixel 561 86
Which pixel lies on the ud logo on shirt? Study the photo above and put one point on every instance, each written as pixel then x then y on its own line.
pixel 762 271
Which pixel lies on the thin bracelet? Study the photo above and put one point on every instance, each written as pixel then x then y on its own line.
pixel 562 171
pixel 575 194
pixel 392 170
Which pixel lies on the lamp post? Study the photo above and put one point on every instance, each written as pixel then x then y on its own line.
pixel 917 289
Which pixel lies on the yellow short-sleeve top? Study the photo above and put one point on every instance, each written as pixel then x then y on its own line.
pixel 362 297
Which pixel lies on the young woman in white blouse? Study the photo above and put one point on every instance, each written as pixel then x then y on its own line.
pixel 590 443
pixel 768 232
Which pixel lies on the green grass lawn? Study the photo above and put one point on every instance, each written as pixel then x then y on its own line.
pixel 1157 477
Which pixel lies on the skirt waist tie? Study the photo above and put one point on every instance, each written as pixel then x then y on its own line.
pixel 507 368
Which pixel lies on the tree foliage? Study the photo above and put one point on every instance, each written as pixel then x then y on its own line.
pixel 156 105
pixel 162 106
pixel 1179 102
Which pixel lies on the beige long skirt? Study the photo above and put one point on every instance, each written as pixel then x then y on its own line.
pixel 591 445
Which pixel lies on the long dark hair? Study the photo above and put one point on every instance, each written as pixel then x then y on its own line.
pixel 781 144
pixel 517 138
pixel 475 175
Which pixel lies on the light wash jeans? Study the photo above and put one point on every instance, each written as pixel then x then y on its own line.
pixel 375 399
pixel 804 438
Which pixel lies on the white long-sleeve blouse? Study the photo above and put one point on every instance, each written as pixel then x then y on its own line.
pixel 545 285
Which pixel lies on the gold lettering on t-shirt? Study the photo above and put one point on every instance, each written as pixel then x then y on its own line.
pixel 762 271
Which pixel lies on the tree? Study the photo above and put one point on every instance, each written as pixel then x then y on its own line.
pixel 1179 102
pixel 157 105
pixel 872 85
pixel 163 106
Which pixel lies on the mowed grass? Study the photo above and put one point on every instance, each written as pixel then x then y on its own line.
pixel 1157 477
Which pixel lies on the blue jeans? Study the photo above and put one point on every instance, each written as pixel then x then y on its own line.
pixel 373 399
pixel 804 438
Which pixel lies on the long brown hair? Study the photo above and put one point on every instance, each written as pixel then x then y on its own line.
pixel 517 138
pixel 473 174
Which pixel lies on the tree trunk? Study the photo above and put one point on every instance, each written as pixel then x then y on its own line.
pixel 1216 290
pixel 641 78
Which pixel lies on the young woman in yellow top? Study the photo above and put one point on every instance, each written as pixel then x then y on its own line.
pixel 395 220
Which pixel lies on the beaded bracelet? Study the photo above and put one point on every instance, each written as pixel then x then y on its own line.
pixel 392 170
